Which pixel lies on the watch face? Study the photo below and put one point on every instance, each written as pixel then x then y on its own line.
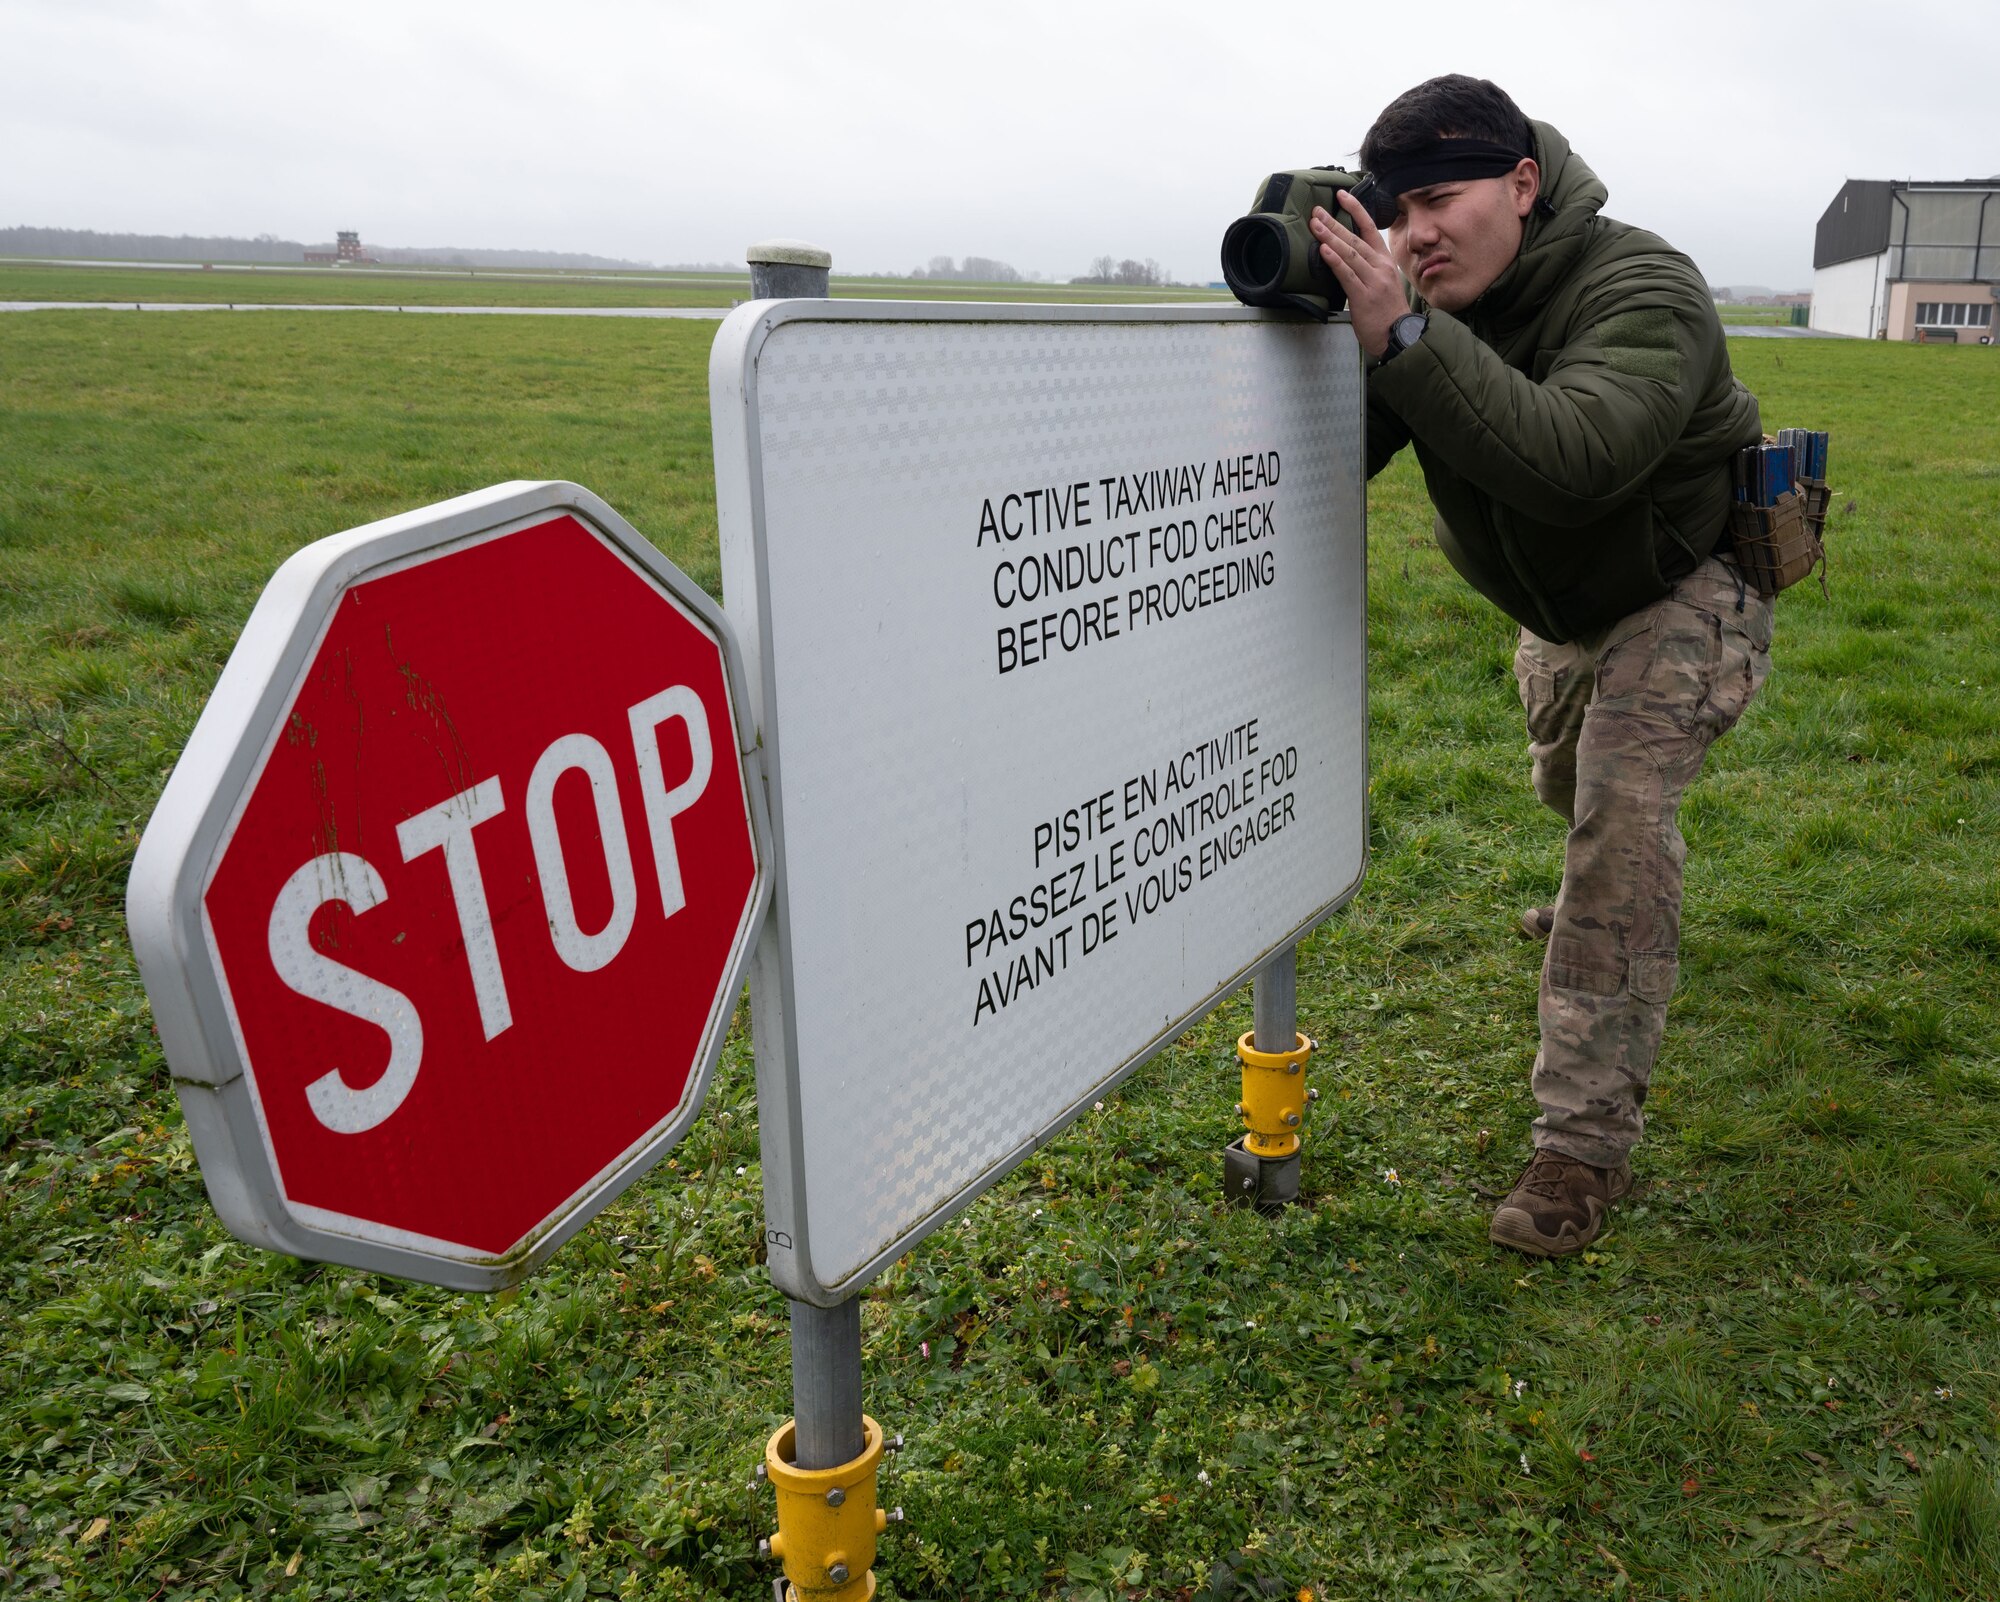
pixel 1408 329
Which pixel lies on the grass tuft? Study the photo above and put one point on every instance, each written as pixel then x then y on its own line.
pixel 1958 1524
pixel 164 601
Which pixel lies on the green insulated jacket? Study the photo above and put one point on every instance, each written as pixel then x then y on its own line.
pixel 1575 423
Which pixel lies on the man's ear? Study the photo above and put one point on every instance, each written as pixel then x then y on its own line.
pixel 1525 184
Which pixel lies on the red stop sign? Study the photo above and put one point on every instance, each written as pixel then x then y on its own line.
pixel 474 893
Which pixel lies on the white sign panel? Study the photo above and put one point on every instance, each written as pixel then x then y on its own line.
pixel 1055 620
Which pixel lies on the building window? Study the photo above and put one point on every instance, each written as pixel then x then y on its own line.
pixel 1954 314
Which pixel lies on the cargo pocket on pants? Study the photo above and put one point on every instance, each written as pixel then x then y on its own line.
pixel 1534 676
pixel 1746 659
pixel 1572 966
pixel 1537 688
pixel 1654 974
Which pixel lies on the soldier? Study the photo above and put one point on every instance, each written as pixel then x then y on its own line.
pixel 1565 382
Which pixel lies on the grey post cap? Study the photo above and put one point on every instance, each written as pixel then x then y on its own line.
pixel 788 253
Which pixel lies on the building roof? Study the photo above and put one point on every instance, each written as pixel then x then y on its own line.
pixel 1855 224
pixel 1947 230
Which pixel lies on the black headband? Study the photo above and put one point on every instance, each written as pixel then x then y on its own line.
pixel 1442 161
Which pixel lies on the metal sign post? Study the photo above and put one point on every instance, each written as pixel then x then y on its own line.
pixel 445 909
pixel 822 1464
pixel 1260 1168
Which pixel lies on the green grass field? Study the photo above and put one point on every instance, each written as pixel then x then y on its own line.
pixel 1776 1377
pixel 422 286
pixel 1754 314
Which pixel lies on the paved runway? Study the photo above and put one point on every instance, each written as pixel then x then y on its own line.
pixel 1777 331
pixel 700 313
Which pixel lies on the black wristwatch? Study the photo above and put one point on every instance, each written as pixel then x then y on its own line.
pixel 1404 332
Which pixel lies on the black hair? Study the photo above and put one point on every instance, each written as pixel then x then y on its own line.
pixel 1451 107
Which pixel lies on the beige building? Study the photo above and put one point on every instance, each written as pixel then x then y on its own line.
pixel 1910 261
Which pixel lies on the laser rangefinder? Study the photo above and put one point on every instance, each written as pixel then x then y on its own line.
pixel 1270 257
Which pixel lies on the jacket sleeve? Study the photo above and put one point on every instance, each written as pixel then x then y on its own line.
pixel 1570 447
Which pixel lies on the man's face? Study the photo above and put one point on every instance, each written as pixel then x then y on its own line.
pixel 1453 239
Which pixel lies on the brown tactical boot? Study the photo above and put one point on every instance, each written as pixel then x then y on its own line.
pixel 1538 923
pixel 1558 1205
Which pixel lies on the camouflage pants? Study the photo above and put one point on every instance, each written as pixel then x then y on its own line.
pixel 1618 726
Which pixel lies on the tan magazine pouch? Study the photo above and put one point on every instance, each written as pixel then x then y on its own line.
pixel 1778 545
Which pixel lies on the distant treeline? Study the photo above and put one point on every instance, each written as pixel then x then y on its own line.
pixel 1143 274
pixel 269 248
pixel 982 269
pixel 1103 270
pixel 452 256
pixel 146 247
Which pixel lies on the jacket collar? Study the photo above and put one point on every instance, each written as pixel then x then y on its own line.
pixel 1556 233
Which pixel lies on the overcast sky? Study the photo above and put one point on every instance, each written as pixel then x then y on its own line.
pixel 1039 133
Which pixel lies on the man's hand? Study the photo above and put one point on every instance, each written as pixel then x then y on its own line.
pixel 1361 261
